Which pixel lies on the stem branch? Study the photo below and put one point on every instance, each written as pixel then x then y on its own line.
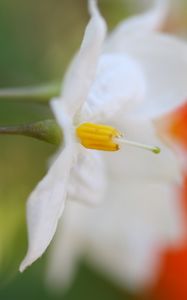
pixel 36 94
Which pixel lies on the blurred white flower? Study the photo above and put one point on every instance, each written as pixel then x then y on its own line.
pixel 140 76
pixel 97 87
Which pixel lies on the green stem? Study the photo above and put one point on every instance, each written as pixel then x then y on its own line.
pixel 47 130
pixel 36 94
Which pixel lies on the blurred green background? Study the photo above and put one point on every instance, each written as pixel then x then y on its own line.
pixel 37 40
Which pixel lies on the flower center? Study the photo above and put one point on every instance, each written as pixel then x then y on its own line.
pixel 106 138
pixel 99 137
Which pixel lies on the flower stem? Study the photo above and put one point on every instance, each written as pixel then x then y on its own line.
pixel 36 94
pixel 47 130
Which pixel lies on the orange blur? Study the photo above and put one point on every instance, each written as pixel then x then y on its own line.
pixel 172 279
pixel 174 126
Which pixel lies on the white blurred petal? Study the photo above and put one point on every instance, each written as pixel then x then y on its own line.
pixel 119 86
pixel 63 119
pixel 124 236
pixel 164 62
pixel 45 206
pixel 64 255
pixel 88 178
pixel 132 164
pixel 142 23
pixel 81 73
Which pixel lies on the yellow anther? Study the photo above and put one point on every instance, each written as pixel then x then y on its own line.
pixel 98 136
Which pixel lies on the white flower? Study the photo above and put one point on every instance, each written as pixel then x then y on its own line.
pixel 141 213
pixel 125 82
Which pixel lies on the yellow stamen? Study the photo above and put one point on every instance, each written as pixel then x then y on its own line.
pixel 106 138
pixel 97 136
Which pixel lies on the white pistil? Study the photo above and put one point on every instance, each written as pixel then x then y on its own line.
pixel 153 149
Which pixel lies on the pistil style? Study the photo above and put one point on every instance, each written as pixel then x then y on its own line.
pixel 106 138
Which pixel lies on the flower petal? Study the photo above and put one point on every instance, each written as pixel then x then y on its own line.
pixel 45 206
pixel 65 252
pixel 88 179
pixel 125 241
pixel 119 87
pixel 143 23
pixel 82 70
pixel 121 238
pixel 133 164
pixel 164 62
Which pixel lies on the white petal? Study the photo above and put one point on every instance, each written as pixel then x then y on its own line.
pixel 164 62
pixel 124 236
pixel 63 119
pixel 88 179
pixel 132 164
pixel 146 22
pixel 82 70
pixel 65 252
pixel 119 86
pixel 45 206
pixel 121 237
